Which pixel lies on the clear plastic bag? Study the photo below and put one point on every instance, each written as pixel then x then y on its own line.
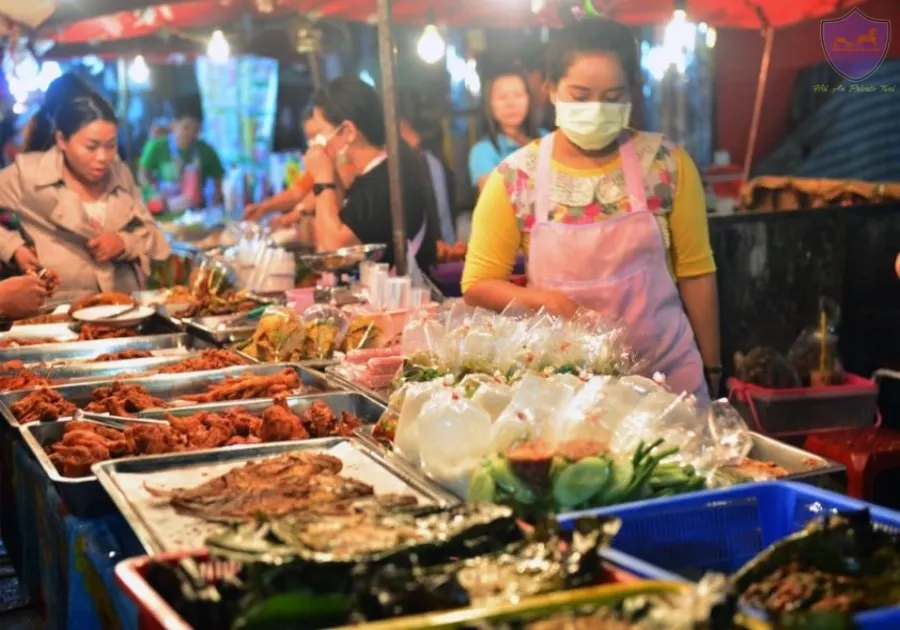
pixel 325 327
pixel 279 336
pixel 531 412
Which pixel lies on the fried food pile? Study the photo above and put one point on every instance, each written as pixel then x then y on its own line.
pixel 86 443
pixel 49 278
pixel 213 305
pixel 123 400
pixel 37 320
pixel 248 386
pixel 22 379
pixel 93 332
pixel 42 405
pixel 212 359
pixel 24 342
pixel 124 355
pixel 110 298
pixel 274 487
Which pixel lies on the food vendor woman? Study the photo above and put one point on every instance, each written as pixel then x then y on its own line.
pixel 79 208
pixel 612 219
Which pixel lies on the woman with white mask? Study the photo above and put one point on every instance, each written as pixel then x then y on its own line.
pixel 611 219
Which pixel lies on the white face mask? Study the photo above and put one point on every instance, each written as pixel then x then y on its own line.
pixel 592 126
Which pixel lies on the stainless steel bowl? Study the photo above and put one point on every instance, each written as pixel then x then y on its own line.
pixel 344 259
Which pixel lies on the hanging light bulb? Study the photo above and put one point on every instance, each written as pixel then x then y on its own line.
pixel 139 71
pixel 218 48
pixel 431 47
pixel 679 38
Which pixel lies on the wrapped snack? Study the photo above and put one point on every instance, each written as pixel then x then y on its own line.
pixel 366 331
pixel 815 353
pixel 279 336
pixel 325 327
pixel 493 394
pixel 531 412
pixel 416 396
pixel 420 346
pixel 454 438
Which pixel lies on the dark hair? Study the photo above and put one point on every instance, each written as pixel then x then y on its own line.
pixel 82 111
pixel 348 99
pixel 189 109
pixel 61 91
pixel 492 127
pixel 592 35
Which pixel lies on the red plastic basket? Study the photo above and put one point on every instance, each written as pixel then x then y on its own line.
pixel 154 613
pixel 807 410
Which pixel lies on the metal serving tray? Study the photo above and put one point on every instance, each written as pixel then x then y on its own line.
pixel 155 326
pixel 208 328
pixel 364 408
pixel 170 386
pixel 328 371
pixel 82 496
pixel 160 528
pixel 83 351
pixel 801 465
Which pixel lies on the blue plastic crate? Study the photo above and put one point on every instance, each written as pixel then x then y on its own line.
pixel 682 538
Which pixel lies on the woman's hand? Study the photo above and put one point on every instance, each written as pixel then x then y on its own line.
pixel 559 304
pixel 289 220
pixel 106 247
pixel 22 296
pixel 254 211
pixel 319 165
pixel 26 259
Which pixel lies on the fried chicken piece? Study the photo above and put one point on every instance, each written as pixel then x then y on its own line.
pixel 123 400
pixel 11 366
pixel 42 405
pixel 318 419
pixel 346 426
pixel 212 359
pixel 94 332
pixel 23 379
pixel 249 386
pixel 216 432
pixel 154 439
pixel 124 355
pixel 24 342
pixel 280 424
pixel 244 422
pixel 239 440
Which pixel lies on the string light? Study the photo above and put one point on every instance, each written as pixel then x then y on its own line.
pixel 218 48
pixel 431 47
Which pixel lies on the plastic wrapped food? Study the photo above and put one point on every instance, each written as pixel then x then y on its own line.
pixel 279 336
pixel 325 327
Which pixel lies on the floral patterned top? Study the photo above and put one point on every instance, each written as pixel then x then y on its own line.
pixel 505 212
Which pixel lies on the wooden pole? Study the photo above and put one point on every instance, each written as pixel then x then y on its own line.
pixel 769 37
pixel 392 128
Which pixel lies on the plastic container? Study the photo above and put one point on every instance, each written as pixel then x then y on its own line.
pixel 805 410
pixel 682 538
pixel 154 613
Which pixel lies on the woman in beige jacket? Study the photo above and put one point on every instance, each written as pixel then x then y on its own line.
pixel 79 208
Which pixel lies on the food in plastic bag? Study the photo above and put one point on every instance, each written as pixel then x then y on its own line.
pixel 454 438
pixel 416 397
pixel 366 331
pixel 656 412
pixel 279 336
pixel 533 405
pixel 325 329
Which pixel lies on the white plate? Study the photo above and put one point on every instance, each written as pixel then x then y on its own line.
pixel 108 315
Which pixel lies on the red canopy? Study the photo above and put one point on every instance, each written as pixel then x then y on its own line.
pixel 469 13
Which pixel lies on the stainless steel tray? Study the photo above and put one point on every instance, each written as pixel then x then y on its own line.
pixel 155 328
pixel 801 465
pixel 169 386
pixel 381 397
pixel 360 406
pixel 208 328
pixel 83 351
pixel 82 496
pixel 160 529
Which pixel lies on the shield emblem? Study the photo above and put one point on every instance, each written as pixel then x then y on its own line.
pixel 855 45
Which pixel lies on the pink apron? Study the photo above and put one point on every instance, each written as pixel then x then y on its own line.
pixel 617 267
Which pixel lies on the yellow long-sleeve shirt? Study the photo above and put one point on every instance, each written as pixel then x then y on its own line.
pixel 504 214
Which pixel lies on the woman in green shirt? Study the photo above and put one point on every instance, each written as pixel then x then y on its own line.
pixel 169 162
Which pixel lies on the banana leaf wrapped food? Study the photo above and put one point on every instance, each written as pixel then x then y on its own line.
pixel 839 565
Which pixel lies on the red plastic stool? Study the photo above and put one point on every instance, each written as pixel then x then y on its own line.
pixel 866 453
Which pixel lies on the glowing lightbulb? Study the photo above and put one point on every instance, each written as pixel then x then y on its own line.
pixel 139 71
pixel 711 37
pixel 431 46
pixel 218 49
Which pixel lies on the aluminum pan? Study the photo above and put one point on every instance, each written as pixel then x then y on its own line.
pixel 84 350
pixel 364 408
pixel 208 328
pixel 381 397
pixel 800 464
pixel 82 496
pixel 168 386
pixel 159 528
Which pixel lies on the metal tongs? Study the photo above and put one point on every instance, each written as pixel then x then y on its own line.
pixel 114 422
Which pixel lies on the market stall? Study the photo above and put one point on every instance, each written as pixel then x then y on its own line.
pixel 153 437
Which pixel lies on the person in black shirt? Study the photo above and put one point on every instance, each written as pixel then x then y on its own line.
pixel 354 110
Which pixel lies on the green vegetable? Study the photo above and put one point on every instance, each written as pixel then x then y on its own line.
pixel 506 480
pixel 482 488
pixel 296 610
pixel 620 475
pixel 580 481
